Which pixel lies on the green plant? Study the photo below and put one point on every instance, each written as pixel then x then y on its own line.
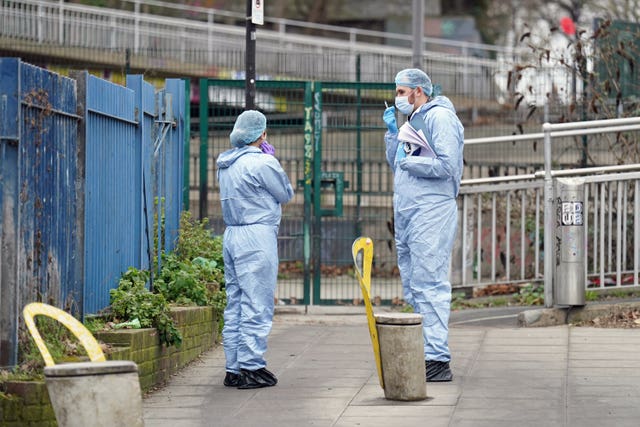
pixel 61 344
pixel 182 282
pixel 407 309
pixel 457 300
pixel 159 228
pixel 591 296
pixel 619 293
pixel 530 295
pixel 190 275
pixel 195 240
pixel 133 300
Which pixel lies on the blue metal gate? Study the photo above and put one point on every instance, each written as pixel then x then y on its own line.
pixel 40 225
pixel 77 158
pixel 134 143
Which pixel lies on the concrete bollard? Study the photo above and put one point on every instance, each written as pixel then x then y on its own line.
pixel 99 394
pixel 402 355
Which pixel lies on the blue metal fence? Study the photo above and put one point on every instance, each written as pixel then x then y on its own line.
pixel 112 188
pixel 40 237
pixel 76 156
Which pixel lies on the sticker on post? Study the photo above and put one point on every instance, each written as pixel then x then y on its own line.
pixel 257 12
pixel 572 213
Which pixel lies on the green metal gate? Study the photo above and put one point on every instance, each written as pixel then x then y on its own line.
pixel 329 139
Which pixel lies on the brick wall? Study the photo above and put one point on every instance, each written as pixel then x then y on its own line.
pixel 27 402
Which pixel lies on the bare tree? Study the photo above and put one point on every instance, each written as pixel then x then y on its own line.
pixel 600 57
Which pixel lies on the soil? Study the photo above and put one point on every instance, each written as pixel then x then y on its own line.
pixel 623 320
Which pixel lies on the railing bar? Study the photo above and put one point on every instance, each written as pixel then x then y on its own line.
pixel 596 226
pixel 610 228
pixel 622 176
pixel 493 236
pixel 585 243
pixel 537 236
pixel 602 233
pixel 488 186
pixel 636 231
pixel 618 233
pixel 507 261
pixel 593 123
pixel 522 233
pixel 465 183
pixel 479 241
pixel 625 227
pixel 465 209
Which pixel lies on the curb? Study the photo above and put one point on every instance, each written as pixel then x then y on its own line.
pixel 557 316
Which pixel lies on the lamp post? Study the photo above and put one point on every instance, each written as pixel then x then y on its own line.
pixel 250 59
pixel 418 32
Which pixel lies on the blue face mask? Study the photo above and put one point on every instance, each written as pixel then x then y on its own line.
pixel 402 104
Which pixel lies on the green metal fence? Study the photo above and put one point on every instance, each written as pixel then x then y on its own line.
pixel 329 139
pixel 355 194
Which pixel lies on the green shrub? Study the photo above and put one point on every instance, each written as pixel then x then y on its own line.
pixel 195 240
pixel 193 274
pixel 530 295
pixel 132 300
pixel 62 345
pixel 180 282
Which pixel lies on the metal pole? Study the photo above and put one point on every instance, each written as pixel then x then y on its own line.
pixel 127 61
pixel 250 61
pixel 418 32
pixel 549 223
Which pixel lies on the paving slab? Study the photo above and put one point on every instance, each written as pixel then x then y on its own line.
pixel 503 376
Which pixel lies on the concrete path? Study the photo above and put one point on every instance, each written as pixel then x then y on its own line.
pixel 503 376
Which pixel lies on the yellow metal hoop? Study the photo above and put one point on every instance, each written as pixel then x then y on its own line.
pixel 365 245
pixel 78 329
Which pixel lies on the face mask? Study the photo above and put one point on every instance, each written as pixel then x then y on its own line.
pixel 402 104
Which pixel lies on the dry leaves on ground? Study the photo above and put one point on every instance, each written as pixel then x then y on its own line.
pixel 619 319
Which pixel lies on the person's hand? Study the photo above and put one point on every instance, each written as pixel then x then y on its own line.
pixel 268 148
pixel 389 118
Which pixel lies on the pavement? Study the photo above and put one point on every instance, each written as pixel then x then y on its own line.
pixel 504 375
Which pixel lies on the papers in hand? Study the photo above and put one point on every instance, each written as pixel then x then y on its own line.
pixel 415 142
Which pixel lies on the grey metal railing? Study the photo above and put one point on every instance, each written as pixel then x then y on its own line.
pixel 283 48
pixel 513 218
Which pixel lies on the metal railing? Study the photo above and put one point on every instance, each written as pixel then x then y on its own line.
pixel 283 47
pixel 289 29
pixel 508 222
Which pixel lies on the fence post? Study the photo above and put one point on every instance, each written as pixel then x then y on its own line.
pixel 548 218
pixel 9 209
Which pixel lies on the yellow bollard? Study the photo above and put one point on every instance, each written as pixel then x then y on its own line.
pixel 100 393
pixel 365 245
pixel 84 336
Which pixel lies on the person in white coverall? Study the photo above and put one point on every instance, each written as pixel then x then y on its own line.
pixel 426 184
pixel 253 186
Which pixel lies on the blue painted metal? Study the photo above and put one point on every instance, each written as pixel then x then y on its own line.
pixel 40 244
pixel 162 134
pixel 144 104
pixel 72 205
pixel 112 189
pixel 174 97
pixel 9 137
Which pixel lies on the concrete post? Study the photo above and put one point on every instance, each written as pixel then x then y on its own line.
pixel 402 355
pixel 100 394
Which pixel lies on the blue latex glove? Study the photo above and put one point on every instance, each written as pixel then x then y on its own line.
pixel 268 148
pixel 389 118
pixel 400 153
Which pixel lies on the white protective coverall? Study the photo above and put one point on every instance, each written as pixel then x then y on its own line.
pixel 253 186
pixel 426 217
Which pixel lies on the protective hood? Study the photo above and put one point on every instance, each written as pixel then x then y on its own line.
pixel 253 185
pixel 438 101
pixel 229 157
